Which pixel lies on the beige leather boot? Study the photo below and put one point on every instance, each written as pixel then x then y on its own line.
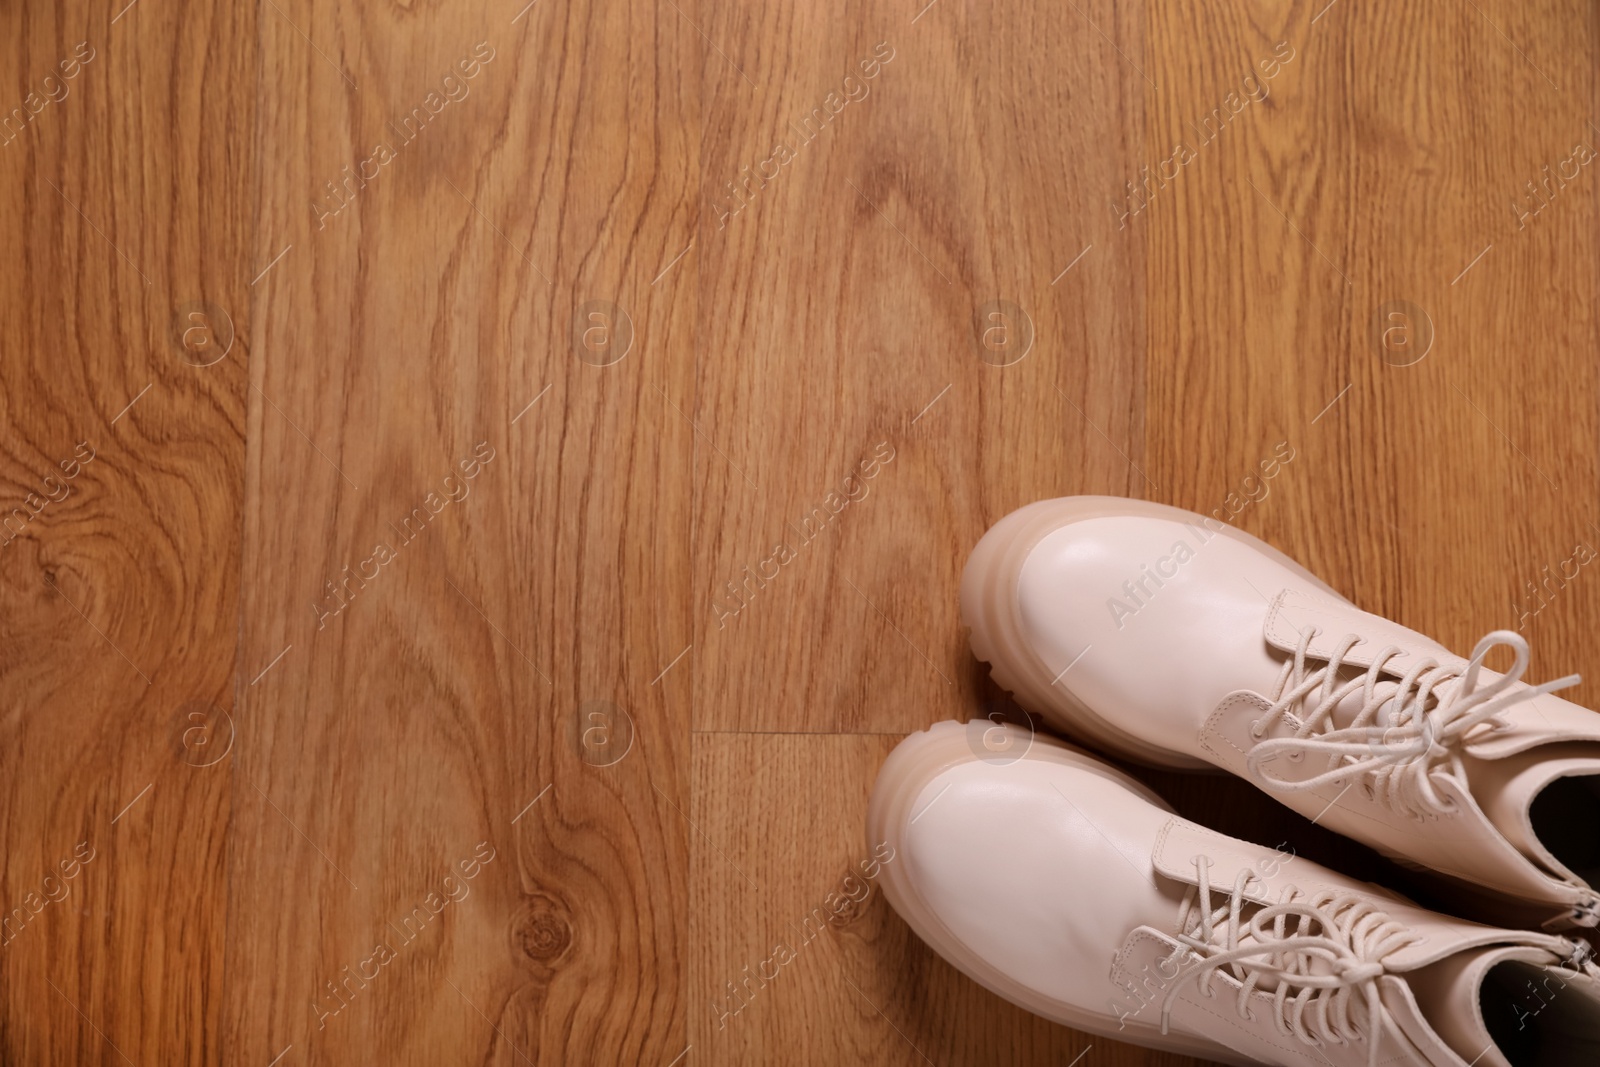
pixel 1068 888
pixel 1173 639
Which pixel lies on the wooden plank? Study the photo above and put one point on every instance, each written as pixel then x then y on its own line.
pixel 125 185
pixel 873 193
pixel 432 313
pixel 1355 271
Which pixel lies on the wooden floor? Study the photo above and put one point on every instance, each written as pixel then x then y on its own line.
pixel 486 485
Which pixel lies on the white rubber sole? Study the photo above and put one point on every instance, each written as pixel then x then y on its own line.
pixel 989 611
pixel 919 759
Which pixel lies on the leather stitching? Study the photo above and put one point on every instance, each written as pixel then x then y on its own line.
pixel 1389 632
pixel 1212 724
pixel 1161 838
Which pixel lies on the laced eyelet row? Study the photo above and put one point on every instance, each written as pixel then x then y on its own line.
pixel 1407 761
pixel 1284 943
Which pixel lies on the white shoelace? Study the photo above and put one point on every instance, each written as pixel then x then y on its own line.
pixel 1402 757
pixel 1339 933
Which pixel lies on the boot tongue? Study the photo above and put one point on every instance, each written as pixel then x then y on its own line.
pixel 1349 706
pixel 1267 957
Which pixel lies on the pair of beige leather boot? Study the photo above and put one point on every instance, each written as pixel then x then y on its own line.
pixel 1165 638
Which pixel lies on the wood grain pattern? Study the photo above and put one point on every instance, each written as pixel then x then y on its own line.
pixel 427 702
pixel 850 284
pixel 122 207
pixel 535 449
